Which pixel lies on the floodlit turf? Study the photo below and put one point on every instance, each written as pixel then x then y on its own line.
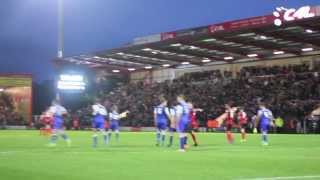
pixel 24 155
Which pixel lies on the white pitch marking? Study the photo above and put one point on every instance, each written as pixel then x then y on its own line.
pixel 281 178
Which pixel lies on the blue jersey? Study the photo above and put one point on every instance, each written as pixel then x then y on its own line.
pixel 161 116
pixel 184 110
pixel 265 116
pixel 57 112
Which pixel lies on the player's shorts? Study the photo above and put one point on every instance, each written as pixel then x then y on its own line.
pixel 228 127
pixel 194 126
pixel 172 129
pixel 98 124
pixel 243 125
pixel 57 123
pixel 183 127
pixel 264 127
pixel 114 125
pixel 162 126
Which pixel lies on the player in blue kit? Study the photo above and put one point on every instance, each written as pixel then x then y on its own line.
pixel 99 113
pixel 57 111
pixel 265 119
pixel 172 117
pixel 114 118
pixel 183 121
pixel 161 115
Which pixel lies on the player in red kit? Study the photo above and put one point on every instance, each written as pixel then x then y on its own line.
pixel 46 120
pixel 229 120
pixel 194 123
pixel 242 119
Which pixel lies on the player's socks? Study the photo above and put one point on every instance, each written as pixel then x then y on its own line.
pixel 243 137
pixel 106 139
pixel 170 141
pixel 230 137
pixel 264 138
pixel 163 138
pixel 158 136
pixel 66 138
pixel 117 137
pixel 194 139
pixel 95 140
pixel 53 139
pixel 182 142
pixel 109 136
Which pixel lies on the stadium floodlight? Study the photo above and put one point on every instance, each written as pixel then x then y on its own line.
pixel 131 69
pixel 278 52
pixel 307 49
pixel 185 63
pixel 67 77
pixel 69 85
pixel 194 47
pixel 252 55
pixel 209 40
pixel 308 31
pixel 120 53
pixel 228 58
pixel 71 82
pixel 115 70
pixel 148 67
pixel 146 49
pixel 263 37
pixel 166 65
pixel 206 60
pixel 176 45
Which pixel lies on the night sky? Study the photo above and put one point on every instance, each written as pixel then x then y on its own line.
pixel 28 31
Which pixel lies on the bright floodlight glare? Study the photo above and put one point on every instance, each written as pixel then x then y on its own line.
pixel 307 49
pixel 176 45
pixel 263 37
pixel 71 85
pixel 166 65
pixel 146 49
pixel 252 55
pixel 228 58
pixel 67 77
pixel 278 52
pixel 115 70
pixel 1 89
pixel 148 67
pixel 309 31
pixel 185 63
pixel 206 60
pixel 209 40
pixel 131 69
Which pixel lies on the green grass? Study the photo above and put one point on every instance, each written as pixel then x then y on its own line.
pixel 24 155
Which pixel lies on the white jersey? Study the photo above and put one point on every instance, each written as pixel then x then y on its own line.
pixel 114 116
pixel 99 109
pixel 57 110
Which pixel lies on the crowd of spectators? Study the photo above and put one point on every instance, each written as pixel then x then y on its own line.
pixel 291 92
pixel 7 114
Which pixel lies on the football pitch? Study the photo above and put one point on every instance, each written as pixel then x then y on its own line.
pixel 25 156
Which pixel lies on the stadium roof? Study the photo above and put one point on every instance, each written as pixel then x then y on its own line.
pixel 284 33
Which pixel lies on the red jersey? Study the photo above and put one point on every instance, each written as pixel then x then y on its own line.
pixel 194 121
pixel 46 119
pixel 230 115
pixel 242 117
